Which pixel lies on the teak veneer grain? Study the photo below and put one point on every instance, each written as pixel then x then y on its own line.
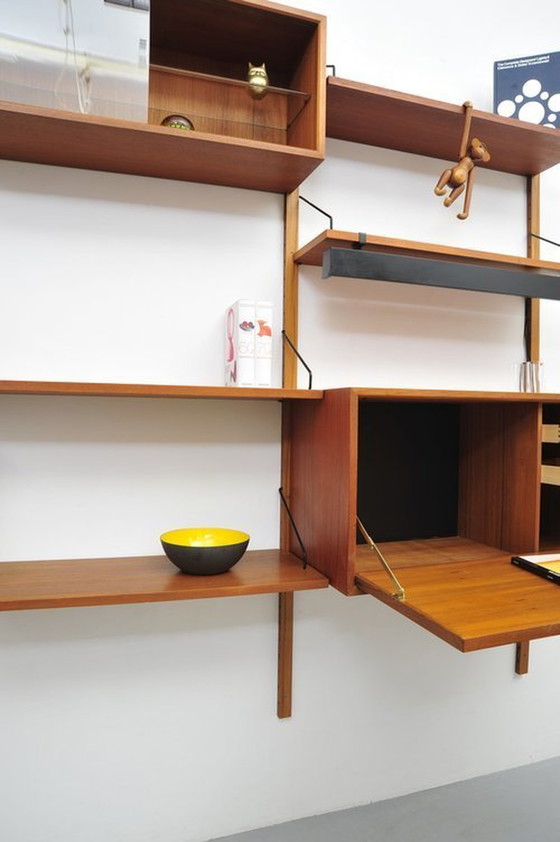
pixel 66 139
pixel 115 581
pixel 473 605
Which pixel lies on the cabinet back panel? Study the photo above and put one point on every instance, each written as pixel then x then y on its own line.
pixel 217 108
pixel 408 470
pixel 550 518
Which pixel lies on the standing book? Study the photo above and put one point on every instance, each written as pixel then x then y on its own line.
pixel 240 344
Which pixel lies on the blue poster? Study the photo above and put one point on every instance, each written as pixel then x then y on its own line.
pixel 528 89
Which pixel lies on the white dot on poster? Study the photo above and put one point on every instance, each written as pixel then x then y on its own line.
pixel 554 102
pixel 519 98
pixel 506 108
pixel 548 126
pixel 551 118
pixel 532 87
pixel 532 112
pixel 545 95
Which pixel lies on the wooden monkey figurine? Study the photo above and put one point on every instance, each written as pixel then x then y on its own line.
pixel 462 174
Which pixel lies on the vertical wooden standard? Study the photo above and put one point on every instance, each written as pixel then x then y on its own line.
pixel 289 381
pixel 285 654
pixel 532 338
pixel 291 221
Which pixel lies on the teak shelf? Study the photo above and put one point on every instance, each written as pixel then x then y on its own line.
pixel 115 581
pixel 449 486
pixel 64 139
pixel 394 120
pixel 135 390
pixel 343 254
pixel 311 254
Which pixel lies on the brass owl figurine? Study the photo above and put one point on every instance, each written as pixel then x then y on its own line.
pixel 257 80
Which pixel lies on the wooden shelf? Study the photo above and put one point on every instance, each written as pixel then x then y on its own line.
pixel 133 390
pixel 114 581
pixel 475 603
pixel 441 396
pixel 311 254
pixel 393 120
pixel 426 264
pixel 65 139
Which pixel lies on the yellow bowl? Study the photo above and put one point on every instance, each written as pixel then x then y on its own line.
pixel 204 551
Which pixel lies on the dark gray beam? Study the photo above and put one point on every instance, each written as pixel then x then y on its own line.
pixel 377 266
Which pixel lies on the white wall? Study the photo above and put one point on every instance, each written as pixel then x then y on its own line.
pixel 158 722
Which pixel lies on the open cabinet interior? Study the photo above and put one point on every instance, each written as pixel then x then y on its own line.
pixel 200 53
pixel 447 481
pixel 448 485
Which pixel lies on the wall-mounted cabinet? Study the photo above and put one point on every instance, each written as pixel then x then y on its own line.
pixel 200 53
pixel 199 57
pixel 448 484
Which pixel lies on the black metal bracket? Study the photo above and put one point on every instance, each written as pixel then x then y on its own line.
pixel 527 330
pixel 362 241
pixel 317 208
pixel 544 239
pixel 331 67
pixel 298 355
pixel 294 527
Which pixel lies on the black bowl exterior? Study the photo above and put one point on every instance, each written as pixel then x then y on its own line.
pixel 204 561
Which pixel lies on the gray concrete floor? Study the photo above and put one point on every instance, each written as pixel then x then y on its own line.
pixel 514 806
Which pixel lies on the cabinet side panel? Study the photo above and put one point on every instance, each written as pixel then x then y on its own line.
pixel 499 487
pixel 521 501
pixel 307 129
pixel 481 473
pixel 323 482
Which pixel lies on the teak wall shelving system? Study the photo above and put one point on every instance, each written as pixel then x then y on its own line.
pixel 275 156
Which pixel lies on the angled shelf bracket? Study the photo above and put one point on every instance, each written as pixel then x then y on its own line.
pixel 300 358
pixel 294 527
pixel 320 210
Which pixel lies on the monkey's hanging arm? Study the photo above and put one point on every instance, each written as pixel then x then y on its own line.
pixel 467 120
pixel 460 177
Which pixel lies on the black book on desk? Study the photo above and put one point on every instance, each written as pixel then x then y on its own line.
pixel 546 565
